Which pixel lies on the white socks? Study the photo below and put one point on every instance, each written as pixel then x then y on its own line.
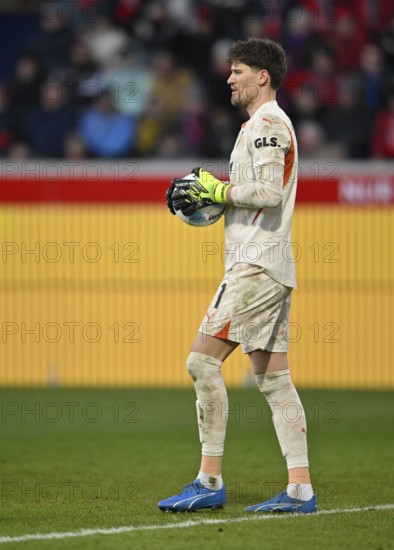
pixel 287 415
pixel 212 401
pixel 209 481
pixel 300 491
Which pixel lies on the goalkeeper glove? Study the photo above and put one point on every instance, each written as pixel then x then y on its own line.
pixel 169 194
pixel 191 195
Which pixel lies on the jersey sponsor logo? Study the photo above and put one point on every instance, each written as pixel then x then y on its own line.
pixel 266 142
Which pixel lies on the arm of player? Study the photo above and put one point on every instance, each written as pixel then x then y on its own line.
pixel 189 196
pixel 266 191
pixel 270 141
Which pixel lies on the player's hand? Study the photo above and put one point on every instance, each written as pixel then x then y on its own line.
pixel 190 196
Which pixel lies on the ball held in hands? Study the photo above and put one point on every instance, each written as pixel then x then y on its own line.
pixel 190 194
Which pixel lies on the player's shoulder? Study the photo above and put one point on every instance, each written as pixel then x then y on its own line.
pixel 271 121
pixel 273 115
pixel 269 116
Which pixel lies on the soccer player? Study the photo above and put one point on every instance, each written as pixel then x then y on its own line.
pixel 251 306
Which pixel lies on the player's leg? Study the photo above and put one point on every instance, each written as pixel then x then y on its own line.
pixel 204 365
pixel 274 381
pixel 247 299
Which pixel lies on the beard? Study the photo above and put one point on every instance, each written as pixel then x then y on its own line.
pixel 237 101
pixel 244 98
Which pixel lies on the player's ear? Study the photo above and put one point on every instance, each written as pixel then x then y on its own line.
pixel 264 76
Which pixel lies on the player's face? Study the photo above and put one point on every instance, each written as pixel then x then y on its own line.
pixel 245 84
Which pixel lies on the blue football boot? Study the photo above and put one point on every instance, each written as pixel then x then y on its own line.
pixel 194 497
pixel 283 503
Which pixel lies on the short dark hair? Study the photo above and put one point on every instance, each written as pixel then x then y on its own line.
pixel 260 53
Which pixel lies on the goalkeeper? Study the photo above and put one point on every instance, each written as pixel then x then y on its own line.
pixel 251 306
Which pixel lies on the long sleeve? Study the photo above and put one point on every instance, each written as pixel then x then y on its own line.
pixel 261 183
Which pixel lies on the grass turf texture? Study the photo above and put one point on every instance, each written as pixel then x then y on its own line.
pixel 101 458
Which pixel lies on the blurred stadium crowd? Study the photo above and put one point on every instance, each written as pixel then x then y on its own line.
pixel 147 78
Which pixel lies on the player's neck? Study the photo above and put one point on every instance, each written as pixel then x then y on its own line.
pixel 264 98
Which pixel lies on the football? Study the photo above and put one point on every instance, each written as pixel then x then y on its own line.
pixel 207 215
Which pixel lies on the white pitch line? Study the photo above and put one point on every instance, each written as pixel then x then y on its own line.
pixel 183 524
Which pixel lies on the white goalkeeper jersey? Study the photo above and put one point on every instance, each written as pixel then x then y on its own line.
pixel 263 169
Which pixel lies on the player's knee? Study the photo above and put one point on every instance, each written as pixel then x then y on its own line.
pixel 201 366
pixel 192 366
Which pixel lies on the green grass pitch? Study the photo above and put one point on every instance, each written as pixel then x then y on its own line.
pixel 76 459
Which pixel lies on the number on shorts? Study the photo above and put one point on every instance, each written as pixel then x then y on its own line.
pixel 223 288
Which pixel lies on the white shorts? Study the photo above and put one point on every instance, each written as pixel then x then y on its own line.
pixel 251 308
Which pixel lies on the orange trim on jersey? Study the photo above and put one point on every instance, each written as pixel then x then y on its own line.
pixel 224 332
pixel 266 119
pixel 244 124
pixel 289 160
